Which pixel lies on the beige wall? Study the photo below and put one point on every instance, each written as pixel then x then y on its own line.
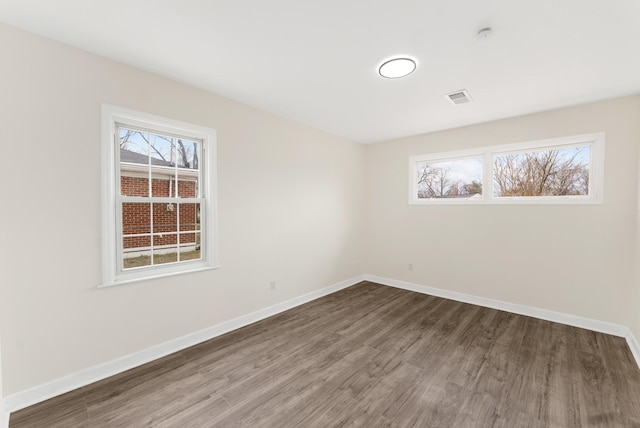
pixel 576 259
pixel 290 208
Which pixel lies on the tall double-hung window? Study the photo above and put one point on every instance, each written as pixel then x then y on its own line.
pixel 158 196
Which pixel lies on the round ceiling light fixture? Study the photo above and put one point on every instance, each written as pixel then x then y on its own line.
pixel 396 68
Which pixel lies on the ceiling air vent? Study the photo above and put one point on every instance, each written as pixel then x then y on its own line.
pixel 459 97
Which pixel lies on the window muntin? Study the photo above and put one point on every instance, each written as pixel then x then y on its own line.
pixel 158 195
pixel 562 170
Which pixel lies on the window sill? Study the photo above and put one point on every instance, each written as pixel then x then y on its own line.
pixel 511 200
pixel 153 276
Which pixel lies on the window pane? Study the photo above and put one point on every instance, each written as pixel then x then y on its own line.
pixel 460 178
pixel 189 217
pixel 134 158
pixel 551 172
pixel 134 147
pixel 136 240
pixel 132 183
pixel 165 218
pixel 135 218
pixel 187 185
pixel 163 184
pixel 189 239
pixel 188 164
pixel 161 150
pixel 165 255
pixel 188 154
pixel 133 260
pixel 187 254
pixel 135 251
pixel 137 243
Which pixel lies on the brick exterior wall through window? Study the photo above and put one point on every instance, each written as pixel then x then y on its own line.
pixel 136 217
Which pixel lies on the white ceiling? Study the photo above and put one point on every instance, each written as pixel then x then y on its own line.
pixel 316 61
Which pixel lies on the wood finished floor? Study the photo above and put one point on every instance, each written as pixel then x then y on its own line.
pixel 371 356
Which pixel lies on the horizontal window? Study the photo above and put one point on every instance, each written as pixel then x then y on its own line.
pixel 562 170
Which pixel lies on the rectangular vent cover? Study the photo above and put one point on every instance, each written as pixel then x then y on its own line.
pixel 459 97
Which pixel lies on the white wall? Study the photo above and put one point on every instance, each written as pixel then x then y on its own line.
pixel 290 207
pixel 575 259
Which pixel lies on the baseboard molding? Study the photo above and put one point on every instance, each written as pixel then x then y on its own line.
pixel 4 415
pixel 634 345
pixel 572 320
pixel 545 314
pixel 20 400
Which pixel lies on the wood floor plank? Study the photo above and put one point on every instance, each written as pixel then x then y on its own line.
pixel 69 411
pixel 198 415
pixel 370 356
pixel 244 390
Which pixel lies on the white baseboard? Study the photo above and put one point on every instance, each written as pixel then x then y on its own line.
pixel 634 345
pixel 572 320
pixel 545 314
pixel 93 374
pixel 4 415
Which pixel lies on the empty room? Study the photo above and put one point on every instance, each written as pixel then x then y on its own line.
pixel 320 214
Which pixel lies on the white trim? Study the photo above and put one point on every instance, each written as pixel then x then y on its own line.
pixel 157 276
pixel 112 272
pixel 544 314
pixel 31 396
pixel 596 141
pixel 4 415
pixel 634 345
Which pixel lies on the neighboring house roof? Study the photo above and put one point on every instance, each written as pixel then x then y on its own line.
pixel 134 157
pixel 134 164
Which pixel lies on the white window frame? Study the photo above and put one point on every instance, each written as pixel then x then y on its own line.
pixel 595 141
pixel 112 271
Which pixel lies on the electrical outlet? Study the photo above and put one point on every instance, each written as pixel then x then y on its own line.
pixel 272 285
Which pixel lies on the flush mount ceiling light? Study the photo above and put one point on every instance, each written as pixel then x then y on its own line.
pixel 397 67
